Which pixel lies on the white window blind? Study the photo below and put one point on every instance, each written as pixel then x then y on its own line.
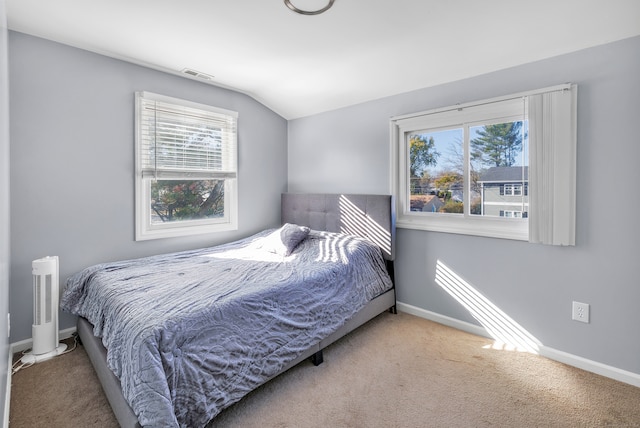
pixel 185 140
pixel 186 167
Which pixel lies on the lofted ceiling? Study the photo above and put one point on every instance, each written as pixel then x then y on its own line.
pixel 358 50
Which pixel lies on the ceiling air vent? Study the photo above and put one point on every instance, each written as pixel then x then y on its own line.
pixel 199 75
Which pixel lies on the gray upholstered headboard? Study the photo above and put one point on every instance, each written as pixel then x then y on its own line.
pixel 369 216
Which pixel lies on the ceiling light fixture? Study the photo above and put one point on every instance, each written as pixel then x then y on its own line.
pixel 308 12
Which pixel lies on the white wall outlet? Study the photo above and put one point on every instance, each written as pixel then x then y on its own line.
pixel 580 312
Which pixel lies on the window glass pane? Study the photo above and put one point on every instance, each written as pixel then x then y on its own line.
pixel 499 169
pixel 436 171
pixel 181 200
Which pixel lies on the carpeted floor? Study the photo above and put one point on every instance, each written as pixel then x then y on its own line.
pixel 396 371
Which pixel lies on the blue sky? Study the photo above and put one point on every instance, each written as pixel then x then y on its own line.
pixel 448 142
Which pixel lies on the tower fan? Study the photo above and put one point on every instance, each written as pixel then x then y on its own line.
pixel 45 311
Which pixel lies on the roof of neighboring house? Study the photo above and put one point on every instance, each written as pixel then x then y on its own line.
pixel 504 174
pixel 425 203
pixel 432 205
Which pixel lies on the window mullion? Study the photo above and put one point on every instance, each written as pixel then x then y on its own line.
pixel 466 181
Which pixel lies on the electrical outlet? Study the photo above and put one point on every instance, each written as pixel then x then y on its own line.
pixel 580 312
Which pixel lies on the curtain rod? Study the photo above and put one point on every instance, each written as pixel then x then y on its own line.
pixel 557 88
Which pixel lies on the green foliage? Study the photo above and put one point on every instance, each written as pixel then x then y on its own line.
pixel 452 207
pixel 448 179
pixel 422 154
pixel 498 144
pixel 173 200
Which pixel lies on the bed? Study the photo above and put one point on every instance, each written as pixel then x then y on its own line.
pixel 182 360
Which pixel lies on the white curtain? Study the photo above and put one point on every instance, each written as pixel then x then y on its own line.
pixel 552 167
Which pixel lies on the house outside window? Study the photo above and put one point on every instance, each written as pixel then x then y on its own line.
pixel 186 167
pixel 504 192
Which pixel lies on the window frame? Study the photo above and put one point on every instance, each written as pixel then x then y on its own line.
pixel 145 229
pixel 496 110
pixel 551 217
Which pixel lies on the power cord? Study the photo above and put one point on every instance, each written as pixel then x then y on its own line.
pixel 15 368
pixel 19 365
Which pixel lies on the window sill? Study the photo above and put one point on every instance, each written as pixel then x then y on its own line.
pixel 515 229
pixel 174 232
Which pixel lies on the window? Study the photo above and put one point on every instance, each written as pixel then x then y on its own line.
pixel 512 190
pixel 186 168
pixel 512 214
pixel 465 168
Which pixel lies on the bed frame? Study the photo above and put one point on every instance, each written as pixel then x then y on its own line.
pixel 369 216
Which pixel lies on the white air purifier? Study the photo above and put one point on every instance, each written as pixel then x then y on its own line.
pixel 45 311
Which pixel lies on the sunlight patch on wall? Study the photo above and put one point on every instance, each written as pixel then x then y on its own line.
pixel 508 334
pixel 356 222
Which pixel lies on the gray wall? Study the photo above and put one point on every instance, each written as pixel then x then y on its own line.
pixel 72 162
pixel 348 151
pixel 72 186
pixel 4 211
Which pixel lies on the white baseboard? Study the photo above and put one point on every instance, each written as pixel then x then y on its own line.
pixel 23 345
pixel 553 354
pixel 591 366
pixel 442 319
pixel 7 395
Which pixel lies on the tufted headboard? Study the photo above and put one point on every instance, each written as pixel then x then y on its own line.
pixel 369 216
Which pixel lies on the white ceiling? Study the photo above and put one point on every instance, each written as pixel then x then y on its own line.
pixel 357 51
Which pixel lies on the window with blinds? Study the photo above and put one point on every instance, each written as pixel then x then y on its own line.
pixel 186 167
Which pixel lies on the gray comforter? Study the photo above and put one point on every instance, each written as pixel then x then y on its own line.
pixel 190 333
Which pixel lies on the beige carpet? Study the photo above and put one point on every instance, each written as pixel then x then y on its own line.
pixel 396 371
